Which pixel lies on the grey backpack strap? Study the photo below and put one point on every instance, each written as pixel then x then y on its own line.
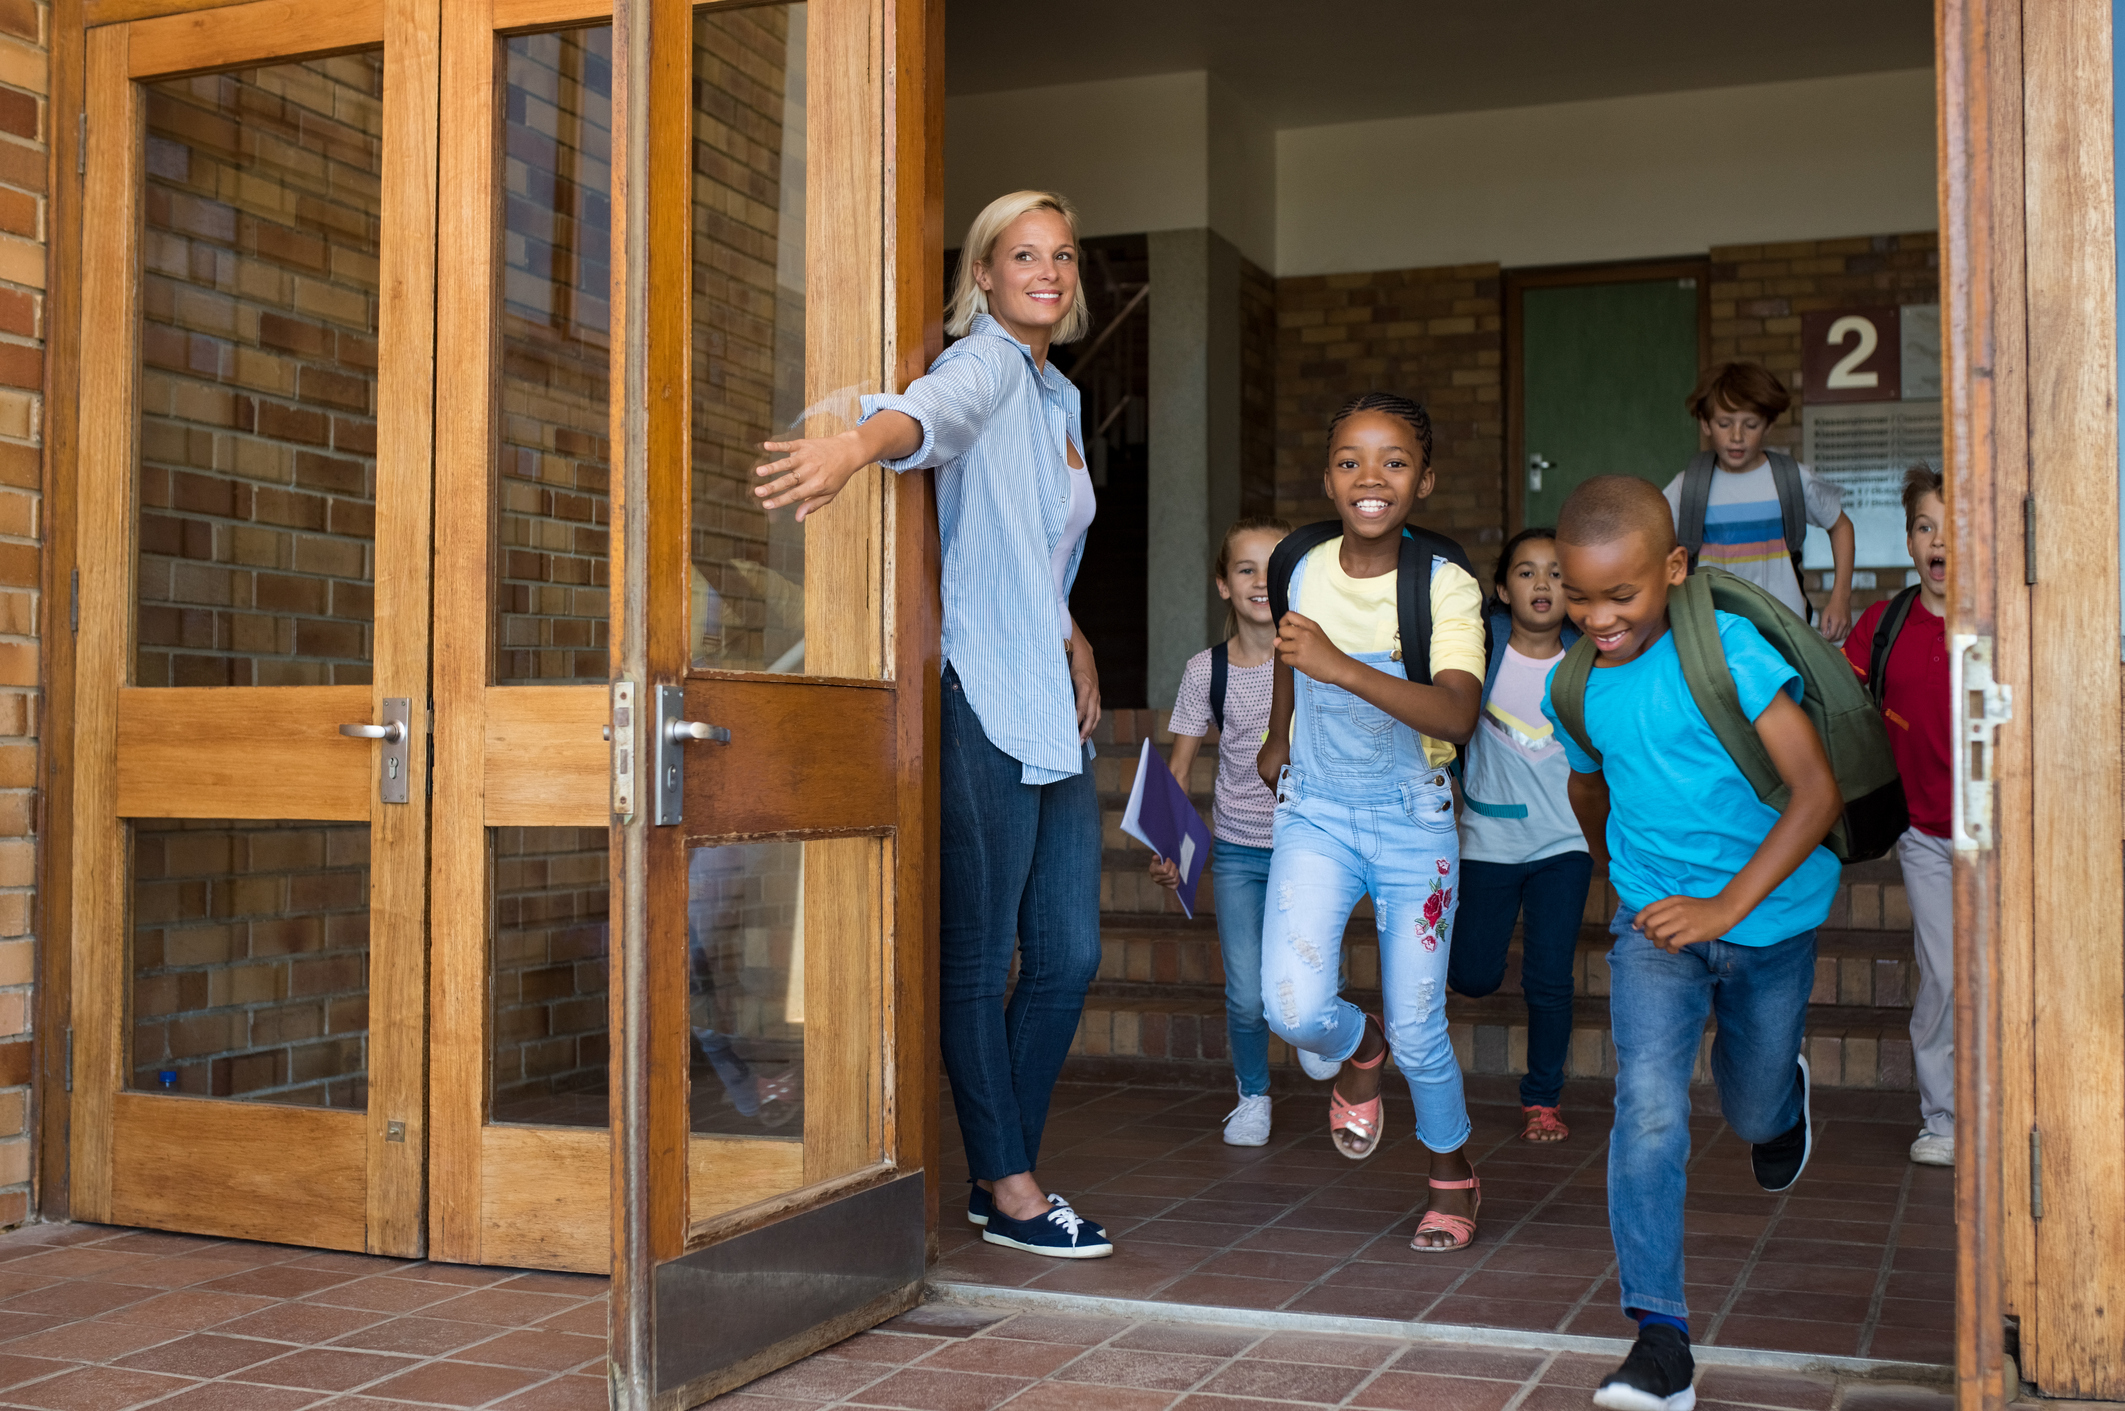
pixel 1567 694
pixel 1696 499
pixel 1792 510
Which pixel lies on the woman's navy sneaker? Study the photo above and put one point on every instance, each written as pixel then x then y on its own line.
pixel 1061 1233
pixel 980 1204
pixel 1779 1161
pixel 1655 1377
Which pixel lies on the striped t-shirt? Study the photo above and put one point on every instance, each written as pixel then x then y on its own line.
pixel 1242 811
pixel 1744 533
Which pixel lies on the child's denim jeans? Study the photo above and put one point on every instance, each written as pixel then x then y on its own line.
pixel 1658 1003
pixel 1242 876
pixel 1361 811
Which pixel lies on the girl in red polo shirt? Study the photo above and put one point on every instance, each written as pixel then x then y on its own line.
pixel 1913 695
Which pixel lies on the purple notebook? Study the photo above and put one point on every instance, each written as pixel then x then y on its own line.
pixel 1162 817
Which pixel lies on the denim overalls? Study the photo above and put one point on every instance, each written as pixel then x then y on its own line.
pixel 1359 811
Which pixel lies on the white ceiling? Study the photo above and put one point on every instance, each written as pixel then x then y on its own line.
pixel 1307 62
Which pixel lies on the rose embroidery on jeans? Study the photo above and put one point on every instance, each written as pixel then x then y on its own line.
pixel 1432 926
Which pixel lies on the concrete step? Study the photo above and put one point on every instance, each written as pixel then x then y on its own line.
pixel 1177 1031
pixel 1871 969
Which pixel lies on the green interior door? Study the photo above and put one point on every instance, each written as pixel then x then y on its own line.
pixel 1605 369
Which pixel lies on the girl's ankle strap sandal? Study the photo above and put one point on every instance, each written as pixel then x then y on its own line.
pixel 1355 1127
pixel 1461 1229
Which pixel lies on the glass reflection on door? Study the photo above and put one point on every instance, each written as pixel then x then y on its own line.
pixel 745 1001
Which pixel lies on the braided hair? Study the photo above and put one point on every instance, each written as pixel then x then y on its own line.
pixel 1394 404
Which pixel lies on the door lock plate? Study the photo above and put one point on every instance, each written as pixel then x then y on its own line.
pixel 670 756
pixel 621 732
pixel 396 762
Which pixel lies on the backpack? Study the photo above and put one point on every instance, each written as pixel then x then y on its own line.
pixel 1220 669
pixel 1412 586
pixel 1839 708
pixel 1792 509
pixel 1886 632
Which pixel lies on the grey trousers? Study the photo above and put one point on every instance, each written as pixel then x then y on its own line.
pixel 1929 881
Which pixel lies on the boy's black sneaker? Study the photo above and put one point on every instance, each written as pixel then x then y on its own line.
pixel 1780 1161
pixel 1062 1233
pixel 1655 1377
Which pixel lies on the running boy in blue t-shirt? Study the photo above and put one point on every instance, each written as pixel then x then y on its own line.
pixel 1721 895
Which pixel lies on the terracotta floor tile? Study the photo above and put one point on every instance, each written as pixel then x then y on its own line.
pixel 188 1310
pixel 300 1322
pixel 560 1394
pixel 540 1351
pixel 570 1285
pixel 96 1389
pixel 1156 1371
pixel 1790 1335
pixel 325 1368
pixel 417 1337
pixel 1188 1340
pixel 353 1266
pixel 1399 1270
pixel 1067 1396
pixel 1227 1291
pixel 182 1271
pixel 386 1295
pixel 1498 1313
pixel 1938 1313
pixel 1075 1328
pixel 503 1309
pixel 1897 1398
pixel 278 1281
pixel 1759 1388
pixel 470 1275
pixel 919 1389
pixel 1447 1360
pixel 13 1283
pixel 589 1318
pixel 1289 1382
pixel 70 1263
pixel 819 1379
pixel 1487 1282
pixel 1351 1302
pixel 1933 1345
pixel 155 1242
pixel 241 1396
pixel 1268 1264
pixel 1819 1307
pixel 203 1355
pixel 88 1342
pixel 454 1383
pixel 1407 1391
pixel 1004 1357
pixel 78 1298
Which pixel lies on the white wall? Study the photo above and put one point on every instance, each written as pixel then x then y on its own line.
pixel 1658 174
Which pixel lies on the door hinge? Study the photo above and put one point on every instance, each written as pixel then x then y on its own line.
pixel 1982 706
pixel 2036 1174
pixel 2028 539
pixel 73 602
pixel 70 1058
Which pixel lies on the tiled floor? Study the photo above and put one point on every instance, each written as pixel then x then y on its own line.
pixel 1857 1259
pixel 97 1319
pixel 943 1358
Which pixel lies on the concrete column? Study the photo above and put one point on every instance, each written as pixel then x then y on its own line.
pixel 1194 444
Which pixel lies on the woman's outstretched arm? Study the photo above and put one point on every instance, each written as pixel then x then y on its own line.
pixel 812 472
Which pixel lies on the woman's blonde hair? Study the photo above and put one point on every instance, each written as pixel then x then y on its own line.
pixel 995 218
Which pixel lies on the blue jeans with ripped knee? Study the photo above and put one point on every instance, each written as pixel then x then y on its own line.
pixel 1395 841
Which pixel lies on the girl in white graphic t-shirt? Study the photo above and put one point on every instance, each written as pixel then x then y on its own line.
pixel 1243 810
pixel 1521 848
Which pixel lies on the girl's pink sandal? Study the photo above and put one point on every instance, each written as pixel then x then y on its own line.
pixel 1461 1227
pixel 1354 1127
pixel 1543 1125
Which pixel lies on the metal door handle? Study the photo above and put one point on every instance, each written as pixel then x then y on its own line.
pixel 393 767
pixel 680 731
pixel 392 732
pixel 1536 464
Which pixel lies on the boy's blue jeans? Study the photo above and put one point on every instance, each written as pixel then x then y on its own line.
pixel 1400 846
pixel 1552 891
pixel 1242 876
pixel 1020 872
pixel 1658 1003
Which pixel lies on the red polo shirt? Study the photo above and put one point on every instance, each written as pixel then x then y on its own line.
pixel 1915 705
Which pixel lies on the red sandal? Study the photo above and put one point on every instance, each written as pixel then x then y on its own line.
pixel 1461 1227
pixel 1354 1127
pixel 1544 1124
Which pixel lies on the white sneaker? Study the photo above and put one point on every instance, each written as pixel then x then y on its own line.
pixel 1316 1067
pixel 1248 1124
pixel 1933 1149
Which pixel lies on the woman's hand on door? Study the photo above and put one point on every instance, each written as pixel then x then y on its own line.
pixel 812 471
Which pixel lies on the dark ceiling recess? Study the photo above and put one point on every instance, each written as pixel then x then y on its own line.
pixel 1328 61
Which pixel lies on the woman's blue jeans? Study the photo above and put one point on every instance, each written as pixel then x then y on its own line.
pixel 1552 891
pixel 1242 876
pixel 1658 1003
pixel 1020 873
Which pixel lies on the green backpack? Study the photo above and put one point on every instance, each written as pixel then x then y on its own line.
pixel 1836 703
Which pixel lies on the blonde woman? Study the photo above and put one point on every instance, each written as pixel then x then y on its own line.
pixel 1020 828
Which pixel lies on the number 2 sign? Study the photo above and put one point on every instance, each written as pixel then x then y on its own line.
pixel 1851 355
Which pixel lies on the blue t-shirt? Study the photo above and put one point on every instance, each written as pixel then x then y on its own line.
pixel 1682 819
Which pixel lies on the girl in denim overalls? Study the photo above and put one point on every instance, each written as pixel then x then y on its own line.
pixel 1357 754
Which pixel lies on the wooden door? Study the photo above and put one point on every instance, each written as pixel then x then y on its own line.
pixel 772 875
pixel 257 373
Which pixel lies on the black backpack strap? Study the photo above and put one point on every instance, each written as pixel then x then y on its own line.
pixel 1420 547
pixel 1220 665
pixel 1792 514
pixel 1886 632
pixel 1696 499
pixel 1285 558
pixel 1567 694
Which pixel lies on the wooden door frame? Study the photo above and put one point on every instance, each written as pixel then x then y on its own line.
pixel 1514 284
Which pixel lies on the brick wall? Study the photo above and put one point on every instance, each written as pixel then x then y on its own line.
pixel 1431 334
pixel 23 155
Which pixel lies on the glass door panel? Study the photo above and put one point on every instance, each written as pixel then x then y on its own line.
pixel 253 617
